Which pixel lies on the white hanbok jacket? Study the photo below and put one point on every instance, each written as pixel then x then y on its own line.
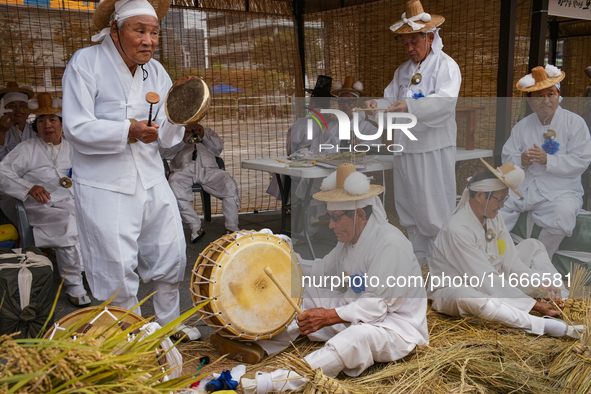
pixel 383 252
pixel 181 155
pixel 461 249
pixel 562 173
pixel 34 162
pixel 100 96
pixel 434 109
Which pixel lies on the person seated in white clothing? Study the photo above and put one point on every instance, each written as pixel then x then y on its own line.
pixel 363 322
pixel 553 147
pixel 37 172
pixel 499 281
pixel 195 162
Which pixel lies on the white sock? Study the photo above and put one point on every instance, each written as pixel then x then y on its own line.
pixel 555 328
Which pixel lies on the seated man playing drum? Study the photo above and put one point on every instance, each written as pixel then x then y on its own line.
pixel 362 323
pixel 193 161
pixel 37 172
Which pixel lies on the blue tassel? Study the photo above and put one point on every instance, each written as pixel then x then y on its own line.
pixel 551 146
pixel 418 95
pixel 70 173
pixel 361 287
pixel 224 382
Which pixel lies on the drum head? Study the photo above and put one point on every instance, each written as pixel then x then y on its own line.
pixel 187 101
pixel 245 296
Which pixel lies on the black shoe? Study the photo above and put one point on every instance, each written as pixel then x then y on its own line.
pixel 200 234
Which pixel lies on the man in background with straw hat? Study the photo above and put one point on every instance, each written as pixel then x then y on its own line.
pixel 426 86
pixel 127 215
pixel 362 322
pixel 476 269
pixel 37 172
pixel 553 147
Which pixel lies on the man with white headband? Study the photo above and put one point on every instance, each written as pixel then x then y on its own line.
pixel 13 116
pixel 127 215
pixel 476 269
pixel 553 147
pixel 427 86
pixel 14 128
pixel 361 321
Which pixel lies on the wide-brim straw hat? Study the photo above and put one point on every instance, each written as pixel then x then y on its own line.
pixel 508 174
pixel 348 86
pixel 45 105
pixel 541 78
pixel 14 87
pixel 339 193
pixel 412 9
pixel 103 12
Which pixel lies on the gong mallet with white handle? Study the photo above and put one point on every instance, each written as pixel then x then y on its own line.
pixel 282 290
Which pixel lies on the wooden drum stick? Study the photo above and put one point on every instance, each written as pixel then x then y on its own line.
pixel 282 290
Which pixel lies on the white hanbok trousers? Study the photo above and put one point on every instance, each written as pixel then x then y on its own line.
pixel 469 302
pixel 557 218
pixel 216 182
pixel 120 233
pixel 349 349
pixel 425 195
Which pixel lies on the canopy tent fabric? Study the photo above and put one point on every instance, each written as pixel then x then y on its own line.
pixel 223 88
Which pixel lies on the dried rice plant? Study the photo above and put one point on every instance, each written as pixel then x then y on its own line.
pixel 98 363
pixel 576 307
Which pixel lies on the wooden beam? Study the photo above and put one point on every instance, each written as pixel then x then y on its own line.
pixel 554 25
pixel 539 26
pixel 505 75
pixel 298 14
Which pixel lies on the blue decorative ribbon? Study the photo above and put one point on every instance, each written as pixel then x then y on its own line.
pixel 357 289
pixel 550 146
pixel 418 95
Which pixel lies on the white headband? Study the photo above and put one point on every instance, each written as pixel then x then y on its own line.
pixel 15 96
pixel 125 9
pixel 485 185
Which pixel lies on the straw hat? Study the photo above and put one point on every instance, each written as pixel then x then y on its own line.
pixel 14 87
pixel 510 175
pixel 540 78
pixel 103 12
pixel 346 184
pixel 348 86
pixel 45 105
pixel 415 19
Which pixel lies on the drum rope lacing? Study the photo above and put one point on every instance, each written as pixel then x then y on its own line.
pixel 105 310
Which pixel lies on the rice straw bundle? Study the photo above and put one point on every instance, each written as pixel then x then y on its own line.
pixel 95 363
pixel 575 308
pixel 317 382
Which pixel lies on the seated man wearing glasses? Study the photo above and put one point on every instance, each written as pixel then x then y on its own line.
pixel 476 269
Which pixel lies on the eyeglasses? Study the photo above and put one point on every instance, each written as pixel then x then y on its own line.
pixel 501 200
pixel 336 218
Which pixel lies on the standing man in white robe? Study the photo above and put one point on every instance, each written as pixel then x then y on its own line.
pixel 498 281
pixel 196 163
pixel 37 172
pixel 364 321
pixel 127 215
pixel 427 86
pixel 553 147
